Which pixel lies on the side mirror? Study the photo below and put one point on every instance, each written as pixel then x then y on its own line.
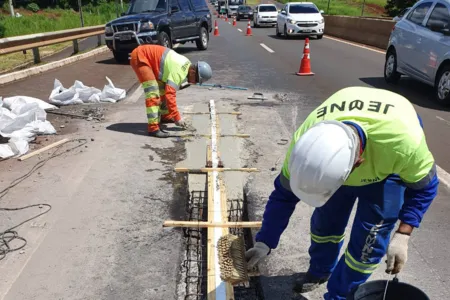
pixel 283 12
pixel 321 11
pixel 174 9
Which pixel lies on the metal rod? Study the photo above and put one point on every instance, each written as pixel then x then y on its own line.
pixel 205 224
pixel 206 170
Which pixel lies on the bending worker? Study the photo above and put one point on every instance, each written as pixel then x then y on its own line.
pixel 360 143
pixel 162 72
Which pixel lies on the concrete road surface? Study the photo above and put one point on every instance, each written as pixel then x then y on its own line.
pixel 103 239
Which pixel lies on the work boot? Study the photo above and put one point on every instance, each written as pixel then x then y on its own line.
pixel 308 283
pixel 159 134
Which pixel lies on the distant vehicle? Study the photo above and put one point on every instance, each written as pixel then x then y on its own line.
pixel 265 14
pixel 244 12
pixel 301 19
pixel 419 47
pixel 159 22
pixel 401 14
pixel 233 7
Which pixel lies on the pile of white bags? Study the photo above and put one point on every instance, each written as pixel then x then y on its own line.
pixel 21 119
pixel 79 93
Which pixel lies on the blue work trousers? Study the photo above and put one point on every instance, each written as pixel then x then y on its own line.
pixel 377 212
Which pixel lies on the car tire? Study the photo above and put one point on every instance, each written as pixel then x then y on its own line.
pixel 237 19
pixel 202 42
pixel 164 39
pixel 390 68
pixel 319 36
pixel 120 57
pixel 442 94
pixel 255 24
pixel 278 33
pixel 285 33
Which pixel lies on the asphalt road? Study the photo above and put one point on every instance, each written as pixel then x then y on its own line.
pixel 266 63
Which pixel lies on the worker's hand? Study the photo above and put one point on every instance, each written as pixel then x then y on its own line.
pixel 181 123
pixel 397 253
pixel 256 254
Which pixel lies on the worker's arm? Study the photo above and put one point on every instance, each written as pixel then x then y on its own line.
pixel 277 213
pixel 171 99
pixel 420 177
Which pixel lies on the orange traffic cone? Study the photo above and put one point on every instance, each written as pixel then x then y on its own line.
pixel 226 18
pixel 305 65
pixel 234 21
pixel 216 29
pixel 249 29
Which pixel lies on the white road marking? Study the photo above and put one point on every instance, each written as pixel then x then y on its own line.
pixel 240 30
pixel 176 46
pixel 229 22
pixel 443 120
pixel 267 48
pixel 444 177
pixel 354 44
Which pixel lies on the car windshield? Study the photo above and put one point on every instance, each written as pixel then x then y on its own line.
pixel 303 9
pixel 267 8
pixel 143 6
pixel 245 8
pixel 235 2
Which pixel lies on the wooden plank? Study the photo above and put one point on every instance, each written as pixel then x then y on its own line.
pixel 207 224
pixel 48 147
pixel 239 135
pixel 211 276
pixel 206 170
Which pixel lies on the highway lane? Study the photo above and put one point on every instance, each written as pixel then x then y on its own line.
pixel 339 64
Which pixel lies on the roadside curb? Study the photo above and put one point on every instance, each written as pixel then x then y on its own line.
pixel 14 76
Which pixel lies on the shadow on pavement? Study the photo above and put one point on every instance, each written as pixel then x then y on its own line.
pixel 293 38
pixel 415 91
pixel 186 49
pixel 133 128
pixel 280 287
pixel 111 61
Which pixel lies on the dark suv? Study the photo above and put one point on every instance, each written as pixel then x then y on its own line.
pixel 161 22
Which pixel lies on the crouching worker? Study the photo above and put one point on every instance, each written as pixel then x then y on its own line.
pixel 162 72
pixel 360 143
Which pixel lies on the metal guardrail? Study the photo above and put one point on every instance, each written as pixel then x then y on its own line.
pixel 35 41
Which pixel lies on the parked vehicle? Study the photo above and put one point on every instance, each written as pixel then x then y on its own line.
pixel 300 18
pixel 244 12
pixel 419 47
pixel 401 14
pixel 159 22
pixel 265 14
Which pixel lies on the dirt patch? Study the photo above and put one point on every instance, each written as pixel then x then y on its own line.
pixel 374 9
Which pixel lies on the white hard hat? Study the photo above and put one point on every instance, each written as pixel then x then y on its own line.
pixel 321 161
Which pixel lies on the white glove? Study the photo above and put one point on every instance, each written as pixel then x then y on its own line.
pixel 256 254
pixel 397 253
pixel 181 123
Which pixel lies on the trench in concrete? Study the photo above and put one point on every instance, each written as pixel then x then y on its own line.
pixel 193 277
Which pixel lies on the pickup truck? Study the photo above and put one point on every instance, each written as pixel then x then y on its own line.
pixel 162 22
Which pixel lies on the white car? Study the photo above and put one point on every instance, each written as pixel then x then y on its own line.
pixel 419 47
pixel 265 14
pixel 300 18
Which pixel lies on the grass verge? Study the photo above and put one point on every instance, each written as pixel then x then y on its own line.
pixel 13 61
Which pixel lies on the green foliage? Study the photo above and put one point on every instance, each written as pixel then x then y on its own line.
pixel 394 7
pixel 56 19
pixel 33 7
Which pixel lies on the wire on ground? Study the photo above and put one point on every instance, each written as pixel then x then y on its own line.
pixel 10 235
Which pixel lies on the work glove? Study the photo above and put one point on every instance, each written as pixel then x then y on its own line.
pixel 397 253
pixel 256 254
pixel 181 123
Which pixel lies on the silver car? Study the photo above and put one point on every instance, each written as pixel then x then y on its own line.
pixel 419 47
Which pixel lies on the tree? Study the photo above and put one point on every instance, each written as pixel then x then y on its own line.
pixel 394 7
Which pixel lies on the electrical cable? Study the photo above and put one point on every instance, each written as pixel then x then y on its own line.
pixel 10 235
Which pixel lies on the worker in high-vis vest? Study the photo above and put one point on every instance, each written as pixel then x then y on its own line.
pixel 162 72
pixel 360 143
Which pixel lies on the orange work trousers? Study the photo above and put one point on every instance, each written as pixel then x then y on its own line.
pixel 155 100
